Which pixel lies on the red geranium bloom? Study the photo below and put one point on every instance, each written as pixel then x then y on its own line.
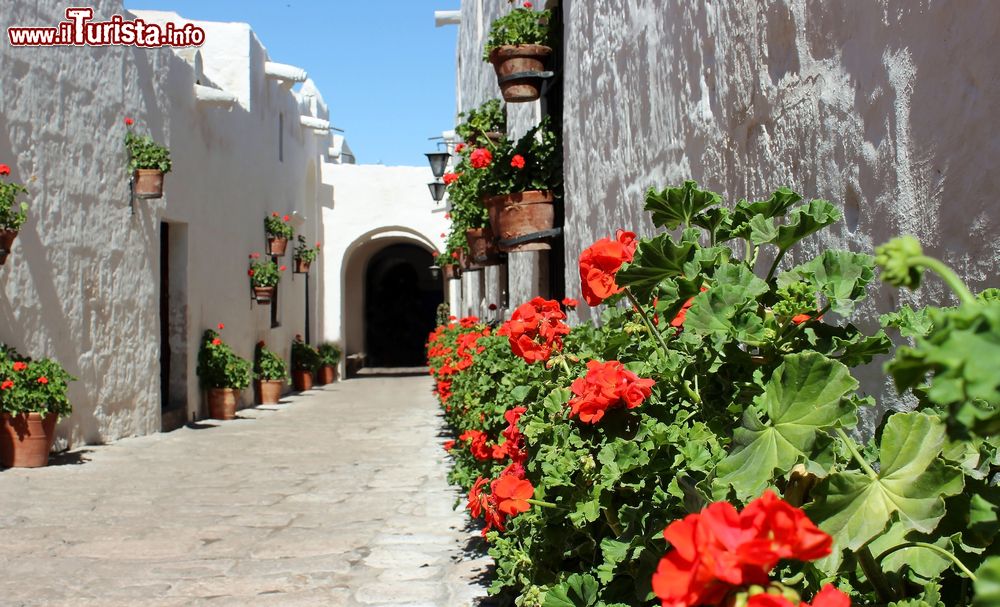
pixel 43 380
pixel 7 384
pixel 447 215
pixel 600 262
pixel 481 158
pixel 274 214
pixel 454 255
pixel 827 597
pixel 129 122
pixel 317 245
pixel 450 178
pixel 285 218
pixel 216 342
pixel 492 307
pixel 569 303
pixel 221 326
pixel 511 494
pixel 477 501
pixel 460 147
pixel 250 273
pixel 4 169
pixel 449 445
pixel 517 161
pixel 798 319
pixel 535 329
pixel 607 385
pixel 528 5
pixel 282 268
pixel 20 366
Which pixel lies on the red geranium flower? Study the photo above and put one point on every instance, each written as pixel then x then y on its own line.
pixel 221 326
pixel 569 303
pixel 535 329
pixel 605 386
pixel 447 215
pixel 216 342
pixel 450 178
pixel 274 214
pixel 492 307
pixel 481 158
pixel 4 169
pixel 511 494
pixel 43 380
pixel 20 366
pixel 517 161
pixel 317 245
pixel 7 384
pixel 282 268
pixel 460 147
pixel 528 5
pixel 827 597
pixel 600 262
pixel 285 218
pixel 454 255
pixel 129 122
pixel 250 273
pixel 449 445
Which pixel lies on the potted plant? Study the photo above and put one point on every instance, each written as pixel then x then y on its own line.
pixel 518 43
pixel 265 274
pixel 223 375
pixel 12 214
pixel 520 190
pixel 448 262
pixel 148 162
pixel 329 358
pixel 32 399
pixel 304 255
pixel 482 126
pixel 270 374
pixel 305 361
pixel 278 231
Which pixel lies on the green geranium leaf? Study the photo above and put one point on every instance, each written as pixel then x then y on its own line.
pixel 923 562
pixel 655 261
pixel 854 507
pixel 673 207
pixel 988 584
pixel 841 276
pixel 762 229
pixel 728 309
pixel 804 395
pixel 614 552
pixel 577 591
pixel 910 322
pixel 804 221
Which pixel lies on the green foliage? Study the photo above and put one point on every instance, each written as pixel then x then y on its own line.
pixel 144 153
pixel 268 366
pixel 329 354
pixel 304 252
pixel 219 366
pixel 475 124
pixel 988 584
pixel 541 152
pixel 12 214
pixel 304 356
pixel 277 226
pixel 264 272
pixel 520 26
pixel 32 386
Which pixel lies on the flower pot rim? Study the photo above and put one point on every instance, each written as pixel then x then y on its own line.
pixel 519 50
pixel 544 197
pixel 149 171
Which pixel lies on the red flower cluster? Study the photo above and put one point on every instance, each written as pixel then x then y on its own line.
pixel 216 342
pixel 507 498
pixel 4 169
pixel 517 161
pixel 513 446
pixel 477 444
pixel 535 329
pixel 460 147
pixel 719 550
pixel 605 386
pixel 798 319
pixel 449 178
pixel 20 366
pixel 7 384
pixel 221 326
pixel 827 597
pixel 129 122
pixel 480 158
pixel 43 380
pixel 569 303
pixel 600 262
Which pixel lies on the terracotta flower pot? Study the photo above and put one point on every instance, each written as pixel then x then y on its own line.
pixel 302 266
pixel 148 183
pixel 519 59
pixel 302 380
pixel 521 214
pixel 6 244
pixel 26 439
pixel 451 272
pixel 222 403
pixel 268 391
pixel 263 295
pixel 495 136
pixel 276 245
pixel 327 375
pixel 482 247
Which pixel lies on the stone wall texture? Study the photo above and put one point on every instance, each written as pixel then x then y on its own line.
pixel 886 108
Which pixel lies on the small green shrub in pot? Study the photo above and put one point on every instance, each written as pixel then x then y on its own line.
pixel 329 354
pixel 218 366
pixel 277 226
pixel 12 214
pixel 33 386
pixel 478 123
pixel 304 356
pixel 268 366
pixel 522 26
pixel 266 273
pixel 144 153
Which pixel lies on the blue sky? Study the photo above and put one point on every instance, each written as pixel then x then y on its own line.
pixel 386 72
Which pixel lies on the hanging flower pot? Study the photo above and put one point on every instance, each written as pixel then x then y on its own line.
pixel 483 250
pixel 148 183
pixel 12 214
pixel 26 439
pixel 276 245
pixel 278 231
pixel 6 244
pixel 264 277
pixel 263 295
pixel 517 69
pixel 451 271
pixel 524 215
pixel 222 403
pixel 302 266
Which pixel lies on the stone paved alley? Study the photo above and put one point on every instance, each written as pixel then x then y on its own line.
pixel 337 498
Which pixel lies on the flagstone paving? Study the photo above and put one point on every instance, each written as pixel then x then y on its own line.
pixel 336 498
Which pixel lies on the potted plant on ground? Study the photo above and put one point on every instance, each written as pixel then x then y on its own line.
pixel 304 255
pixel 32 399
pixel 520 190
pixel 223 375
pixel 278 231
pixel 482 126
pixel 518 43
pixel 148 162
pixel 265 274
pixel 12 214
pixel 270 374
pixel 305 361
pixel 329 358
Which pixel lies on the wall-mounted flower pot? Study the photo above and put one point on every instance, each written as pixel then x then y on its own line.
pixel 148 183
pixel 495 136
pixel 302 380
pixel 263 295
pixel 26 439
pixel 268 391
pixel 302 266
pixel 327 375
pixel 222 403
pixel 521 59
pixel 451 271
pixel 6 244
pixel 525 215
pixel 483 249
pixel 276 245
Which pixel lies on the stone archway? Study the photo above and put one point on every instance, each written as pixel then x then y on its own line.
pixel 401 300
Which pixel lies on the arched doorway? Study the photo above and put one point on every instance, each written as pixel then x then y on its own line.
pixel 401 300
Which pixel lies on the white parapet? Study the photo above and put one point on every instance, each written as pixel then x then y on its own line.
pixel 288 74
pixel 442 18
pixel 214 97
pixel 316 124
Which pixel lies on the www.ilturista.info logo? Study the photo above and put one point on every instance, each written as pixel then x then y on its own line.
pixel 80 29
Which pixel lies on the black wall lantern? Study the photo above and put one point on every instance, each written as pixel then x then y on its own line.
pixel 439 161
pixel 437 190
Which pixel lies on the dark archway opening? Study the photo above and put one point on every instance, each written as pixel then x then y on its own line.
pixel 401 300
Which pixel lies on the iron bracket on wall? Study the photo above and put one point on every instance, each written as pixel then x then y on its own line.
pixel 513 242
pixel 546 76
